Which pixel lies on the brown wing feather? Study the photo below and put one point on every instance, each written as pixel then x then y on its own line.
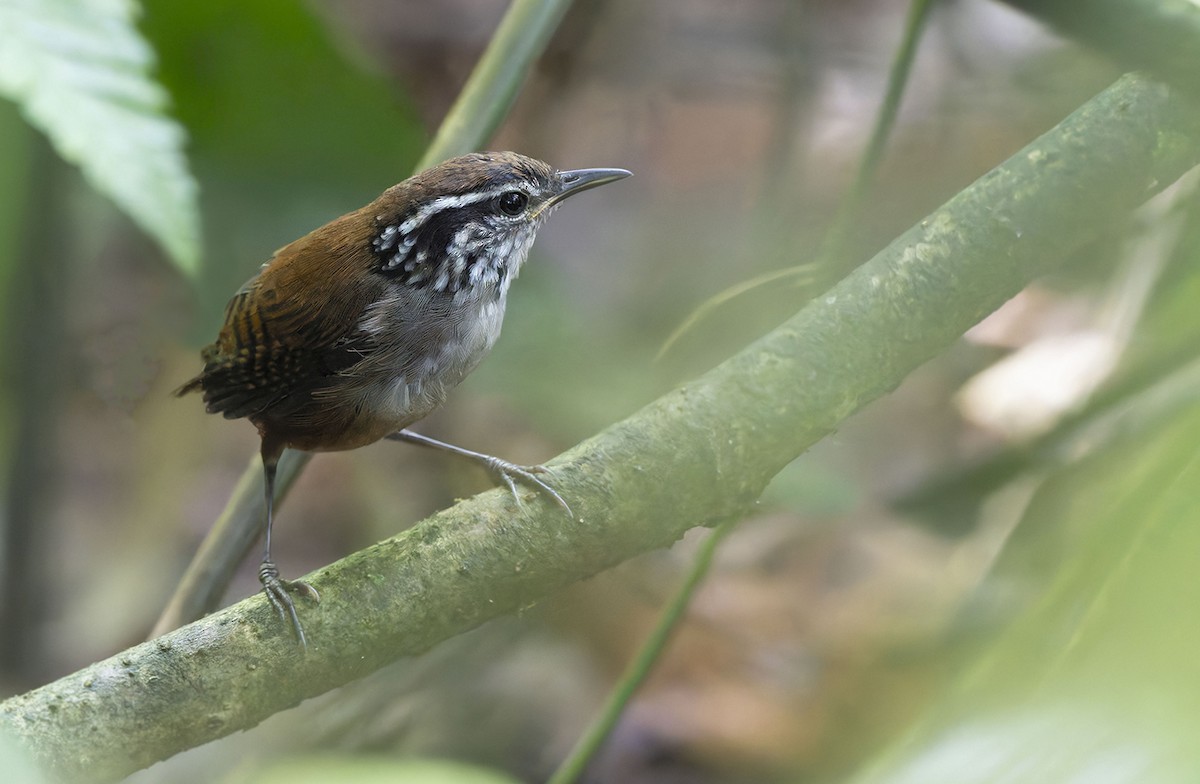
pixel 279 342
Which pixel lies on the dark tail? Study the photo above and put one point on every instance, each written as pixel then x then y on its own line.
pixel 195 385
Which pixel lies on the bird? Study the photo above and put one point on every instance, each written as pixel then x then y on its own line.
pixel 362 327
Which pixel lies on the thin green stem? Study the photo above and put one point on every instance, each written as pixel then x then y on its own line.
pixel 849 210
pixel 847 215
pixel 802 271
pixel 491 89
pixel 639 669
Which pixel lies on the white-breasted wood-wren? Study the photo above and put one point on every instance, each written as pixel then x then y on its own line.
pixel 360 328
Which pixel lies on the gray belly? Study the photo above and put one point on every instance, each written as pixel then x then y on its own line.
pixel 409 384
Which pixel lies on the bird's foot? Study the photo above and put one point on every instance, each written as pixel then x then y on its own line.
pixel 501 471
pixel 279 592
pixel 509 474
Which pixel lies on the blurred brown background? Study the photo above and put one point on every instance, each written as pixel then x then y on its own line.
pixel 743 123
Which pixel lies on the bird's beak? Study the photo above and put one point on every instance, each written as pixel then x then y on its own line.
pixel 578 180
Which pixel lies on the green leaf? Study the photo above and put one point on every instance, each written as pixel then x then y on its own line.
pixel 1096 675
pixel 287 130
pixel 79 70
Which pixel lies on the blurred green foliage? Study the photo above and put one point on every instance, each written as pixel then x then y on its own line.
pixel 285 128
pixel 1095 673
pixel 1074 660
pixel 79 70
pixel 14 168
pixel 366 769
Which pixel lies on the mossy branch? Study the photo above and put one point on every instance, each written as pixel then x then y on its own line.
pixel 701 453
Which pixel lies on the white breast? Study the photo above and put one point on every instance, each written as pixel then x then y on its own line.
pixel 413 375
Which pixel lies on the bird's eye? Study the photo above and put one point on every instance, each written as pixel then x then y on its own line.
pixel 513 202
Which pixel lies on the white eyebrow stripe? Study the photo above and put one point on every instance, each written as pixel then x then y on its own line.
pixel 461 200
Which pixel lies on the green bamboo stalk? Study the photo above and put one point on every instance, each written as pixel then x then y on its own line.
pixel 491 90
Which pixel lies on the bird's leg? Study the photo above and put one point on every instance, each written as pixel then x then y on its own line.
pixel 278 590
pixel 500 470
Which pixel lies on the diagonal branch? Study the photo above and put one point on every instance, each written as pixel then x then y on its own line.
pixel 700 454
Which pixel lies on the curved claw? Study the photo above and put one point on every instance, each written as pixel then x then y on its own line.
pixel 509 472
pixel 500 470
pixel 279 592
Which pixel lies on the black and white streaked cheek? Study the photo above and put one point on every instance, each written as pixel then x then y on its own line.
pixel 403 235
pixel 459 245
pixel 500 268
pixel 468 247
pixel 394 247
